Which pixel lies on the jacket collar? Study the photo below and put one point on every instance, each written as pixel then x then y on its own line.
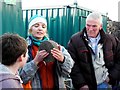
pixel 102 35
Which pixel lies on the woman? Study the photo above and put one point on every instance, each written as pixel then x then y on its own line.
pixel 41 74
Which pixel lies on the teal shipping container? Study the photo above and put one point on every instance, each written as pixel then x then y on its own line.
pixel 63 22
pixel 11 17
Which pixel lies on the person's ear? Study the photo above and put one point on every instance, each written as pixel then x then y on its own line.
pixel 20 58
pixel 100 26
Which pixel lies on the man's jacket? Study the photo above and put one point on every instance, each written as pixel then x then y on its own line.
pixel 83 70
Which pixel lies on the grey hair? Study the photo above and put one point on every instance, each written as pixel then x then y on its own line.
pixel 95 16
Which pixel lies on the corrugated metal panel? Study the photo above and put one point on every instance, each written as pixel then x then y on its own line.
pixel 62 22
pixel 0 18
pixel 11 18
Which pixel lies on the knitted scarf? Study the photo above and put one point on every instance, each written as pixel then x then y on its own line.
pixel 38 42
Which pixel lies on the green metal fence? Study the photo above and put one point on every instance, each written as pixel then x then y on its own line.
pixel 11 18
pixel 62 21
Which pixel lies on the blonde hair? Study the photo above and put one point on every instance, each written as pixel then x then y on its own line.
pixel 34 19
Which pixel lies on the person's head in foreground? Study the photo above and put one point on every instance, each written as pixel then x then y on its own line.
pixel 14 50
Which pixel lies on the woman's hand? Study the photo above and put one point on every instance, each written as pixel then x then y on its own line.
pixel 40 56
pixel 57 53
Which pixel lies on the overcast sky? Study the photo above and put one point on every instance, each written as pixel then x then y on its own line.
pixel 103 6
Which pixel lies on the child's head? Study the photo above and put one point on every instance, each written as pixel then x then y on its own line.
pixel 13 46
pixel 38 26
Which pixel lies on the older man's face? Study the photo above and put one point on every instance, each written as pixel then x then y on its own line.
pixel 93 27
